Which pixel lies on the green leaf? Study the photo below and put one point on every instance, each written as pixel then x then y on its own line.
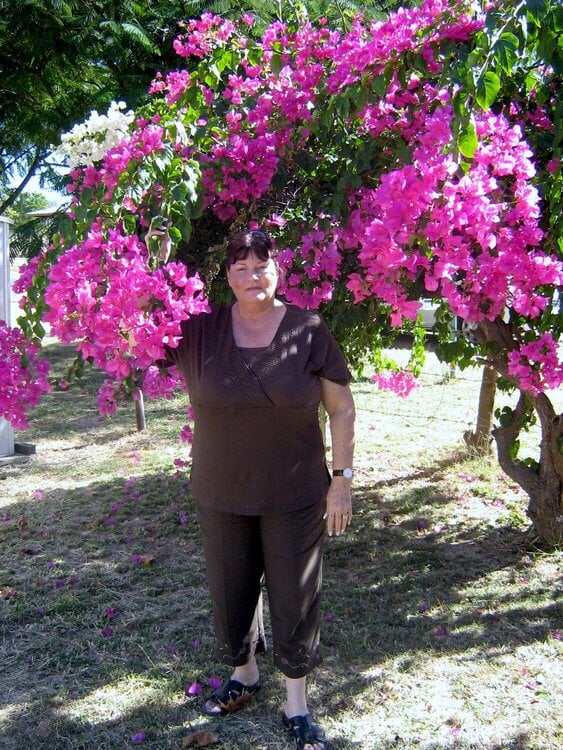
pixel 38 330
pixel 129 223
pixel 506 51
pixel 536 8
pixel 342 106
pixel 379 85
pixel 276 64
pixel 180 191
pixel 186 230
pixel 175 234
pixel 487 89
pixel 514 449
pixel 212 75
pixel 468 141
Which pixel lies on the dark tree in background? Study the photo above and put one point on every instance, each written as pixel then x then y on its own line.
pixel 60 59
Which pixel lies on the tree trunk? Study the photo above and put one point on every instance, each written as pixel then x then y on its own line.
pixel 480 440
pixel 543 486
pixel 140 410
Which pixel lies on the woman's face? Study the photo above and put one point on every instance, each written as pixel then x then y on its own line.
pixel 253 280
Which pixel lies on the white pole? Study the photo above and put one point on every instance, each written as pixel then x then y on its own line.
pixel 6 431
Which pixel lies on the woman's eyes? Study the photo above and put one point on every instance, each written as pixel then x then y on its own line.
pixel 258 269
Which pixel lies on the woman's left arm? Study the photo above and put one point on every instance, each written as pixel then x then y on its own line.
pixel 339 404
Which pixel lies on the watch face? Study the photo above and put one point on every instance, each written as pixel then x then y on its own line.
pixel 347 473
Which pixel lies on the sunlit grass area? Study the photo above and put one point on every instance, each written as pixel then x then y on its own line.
pixel 442 617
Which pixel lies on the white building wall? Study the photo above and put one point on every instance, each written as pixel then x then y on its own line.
pixel 6 431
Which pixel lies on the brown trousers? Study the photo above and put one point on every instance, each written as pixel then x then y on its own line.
pixel 284 549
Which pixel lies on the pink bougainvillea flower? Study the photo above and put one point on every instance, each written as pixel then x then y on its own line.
pixel 401 383
pixel 107 632
pixel 138 738
pixel 110 613
pixel 214 682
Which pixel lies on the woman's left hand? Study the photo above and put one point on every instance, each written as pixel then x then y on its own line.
pixel 338 506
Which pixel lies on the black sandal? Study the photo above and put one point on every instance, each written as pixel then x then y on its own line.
pixel 232 696
pixel 305 732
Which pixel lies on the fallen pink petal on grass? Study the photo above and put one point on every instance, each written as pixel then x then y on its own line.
pixel 194 689
pixel 466 477
pixel 214 682
pixel 136 739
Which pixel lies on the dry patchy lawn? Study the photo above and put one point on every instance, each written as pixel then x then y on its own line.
pixel 442 617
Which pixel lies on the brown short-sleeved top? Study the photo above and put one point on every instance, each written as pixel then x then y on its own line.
pixel 257 444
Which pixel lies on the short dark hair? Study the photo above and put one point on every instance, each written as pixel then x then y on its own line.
pixel 249 241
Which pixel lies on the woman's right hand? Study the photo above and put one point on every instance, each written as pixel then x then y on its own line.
pixel 158 240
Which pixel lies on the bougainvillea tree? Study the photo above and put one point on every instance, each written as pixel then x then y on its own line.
pixel 388 163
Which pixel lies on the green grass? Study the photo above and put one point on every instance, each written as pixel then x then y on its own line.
pixel 442 617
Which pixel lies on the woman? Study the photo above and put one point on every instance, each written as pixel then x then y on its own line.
pixel 256 372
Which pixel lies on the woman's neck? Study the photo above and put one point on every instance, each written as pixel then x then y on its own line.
pixel 256 327
pixel 258 313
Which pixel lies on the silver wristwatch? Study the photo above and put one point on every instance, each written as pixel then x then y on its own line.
pixel 347 473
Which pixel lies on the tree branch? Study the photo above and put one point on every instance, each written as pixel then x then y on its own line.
pixel 504 436
pixel 13 196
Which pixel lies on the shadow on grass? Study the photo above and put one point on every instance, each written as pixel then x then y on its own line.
pixel 410 588
pixel 109 614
